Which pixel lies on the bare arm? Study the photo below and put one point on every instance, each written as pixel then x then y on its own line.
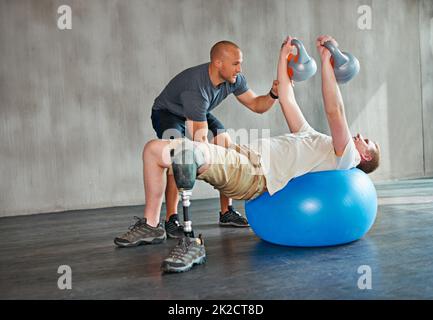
pixel 198 130
pixel 257 104
pixel 333 101
pixel 293 114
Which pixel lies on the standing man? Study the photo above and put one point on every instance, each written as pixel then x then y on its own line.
pixel 183 109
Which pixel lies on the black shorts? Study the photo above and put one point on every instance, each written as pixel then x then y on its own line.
pixel 170 126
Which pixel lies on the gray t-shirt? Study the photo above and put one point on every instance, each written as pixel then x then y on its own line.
pixel 191 94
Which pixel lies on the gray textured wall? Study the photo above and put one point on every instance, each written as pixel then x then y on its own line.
pixel 426 53
pixel 75 104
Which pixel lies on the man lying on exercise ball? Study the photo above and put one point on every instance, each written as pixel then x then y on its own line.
pixel 245 172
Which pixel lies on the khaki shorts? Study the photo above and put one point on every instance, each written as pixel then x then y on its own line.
pixel 236 172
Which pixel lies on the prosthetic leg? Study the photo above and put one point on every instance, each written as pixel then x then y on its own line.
pixel 186 160
pixel 190 251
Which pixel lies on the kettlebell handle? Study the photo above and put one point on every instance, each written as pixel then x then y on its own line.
pixel 337 55
pixel 302 54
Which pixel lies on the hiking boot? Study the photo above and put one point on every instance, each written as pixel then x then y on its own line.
pixel 233 218
pixel 173 228
pixel 141 233
pixel 187 253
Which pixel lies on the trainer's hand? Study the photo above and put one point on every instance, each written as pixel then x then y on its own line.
pixel 324 53
pixel 275 87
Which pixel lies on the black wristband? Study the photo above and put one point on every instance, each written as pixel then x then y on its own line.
pixel 273 96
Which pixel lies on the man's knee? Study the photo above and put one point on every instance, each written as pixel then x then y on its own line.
pixel 149 147
pixel 159 151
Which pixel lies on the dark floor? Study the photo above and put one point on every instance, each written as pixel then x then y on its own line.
pixel 399 250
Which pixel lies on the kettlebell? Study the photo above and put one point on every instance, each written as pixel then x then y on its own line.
pixel 302 66
pixel 346 66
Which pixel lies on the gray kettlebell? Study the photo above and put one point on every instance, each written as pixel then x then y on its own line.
pixel 302 66
pixel 346 66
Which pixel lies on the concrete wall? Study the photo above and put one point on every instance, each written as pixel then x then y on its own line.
pixel 426 53
pixel 75 104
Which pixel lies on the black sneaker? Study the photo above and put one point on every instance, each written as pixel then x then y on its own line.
pixel 233 218
pixel 187 253
pixel 141 233
pixel 173 228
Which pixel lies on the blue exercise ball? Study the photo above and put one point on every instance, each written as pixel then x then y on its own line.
pixel 317 209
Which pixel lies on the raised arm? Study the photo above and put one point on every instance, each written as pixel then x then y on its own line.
pixel 333 101
pixel 293 114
